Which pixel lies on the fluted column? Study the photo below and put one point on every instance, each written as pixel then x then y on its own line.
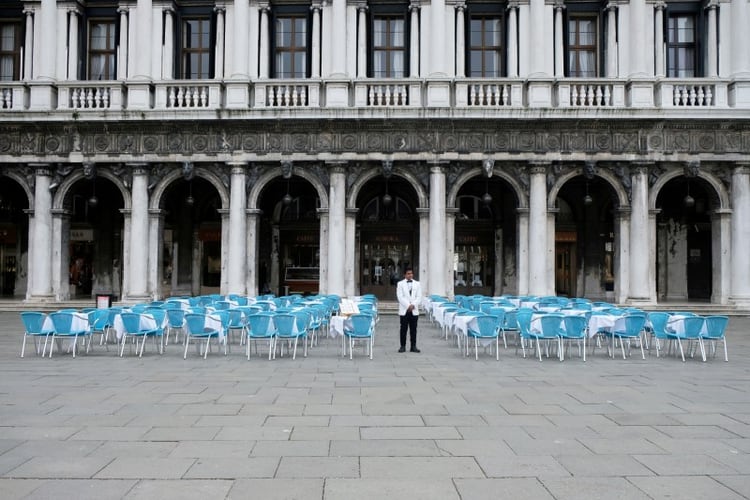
pixel 537 245
pixel 512 39
pixel 237 255
pixel 241 39
pixel 641 238
pixel 350 244
pixel 265 41
pixel 559 43
pixel 168 59
pixel 536 38
pixel 122 49
pixel 740 229
pixel 338 39
pixel 438 266
pixel 414 41
pixel 660 69
pixel 612 40
pixel 73 44
pixel 460 41
pixel 220 42
pixel 712 40
pixel 437 39
pixel 40 252
pixel 315 46
pixel 637 35
pixel 143 41
pixel 138 264
pixel 337 228
pixel 362 41
pixel 253 226
pixel 28 45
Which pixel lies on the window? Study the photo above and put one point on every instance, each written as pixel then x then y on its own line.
pixel 389 47
pixel 10 51
pixel 681 46
pixel 101 50
pixel 291 47
pixel 582 46
pixel 196 48
pixel 485 47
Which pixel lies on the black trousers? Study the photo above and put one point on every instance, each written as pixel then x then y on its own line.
pixel 409 321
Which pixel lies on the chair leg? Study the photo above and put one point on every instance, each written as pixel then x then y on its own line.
pixel 23 345
pixel 187 344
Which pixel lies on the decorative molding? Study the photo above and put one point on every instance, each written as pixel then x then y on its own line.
pixel 622 172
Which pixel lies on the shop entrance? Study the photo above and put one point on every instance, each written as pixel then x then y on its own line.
pixel 385 257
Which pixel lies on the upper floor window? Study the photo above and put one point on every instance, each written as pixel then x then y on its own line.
pixel 582 46
pixel 485 46
pixel 10 50
pixel 196 48
pixel 681 45
pixel 389 47
pixel 102 49
pixel 291 47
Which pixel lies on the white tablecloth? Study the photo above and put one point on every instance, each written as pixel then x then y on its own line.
pixel 80 322
pixel 337 325
pixel 147 322
pixel 676 324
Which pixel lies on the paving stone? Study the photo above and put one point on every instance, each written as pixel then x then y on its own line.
pixel 347 489
pixel 318 467
pixel 212 449
pixel 385 448
pixel 491 489
pixel 291 449
pixel 528 466
pixel 15 489
pixel 410 433
pixel 422 468
pixel 232 468
pixel 686 487
pixel 594 488
pixel 82 489
pixel 54 467
pixel 277 489
pixel 184 490
pixel 598 466
pixel 146 468
pixel 684 465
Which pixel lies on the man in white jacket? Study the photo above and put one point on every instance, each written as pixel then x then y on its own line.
pixel 409 295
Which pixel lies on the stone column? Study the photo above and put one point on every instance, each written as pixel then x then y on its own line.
pixel 437 38
pixel 740 190
pixel 559 44
pixel 253 226
pixel 424 244
pixel 220 42
pixel 139 243
pixel 612 40
pixel 513 39
pixel 264 50
pixel 414 41
pixel 660 69
pixel 168 49
pixel 46 41
pixel 60 260
pixel 337 228
pixel 621 265
pixel 522 259
pixel 315 48
pixel 143 41
pixel 537 38
pixel 237 251
pixel 28 45
pixel 350 264
pixel 712 41
pixel 721 251
pixel 637 36
pixel 642 238
pixel 740 39
pixel 73 44
pixel 338 51
pixel 362 41
pixel 537 245
pixel 241 39
pixel 438 266
pixel 122 48
pixel 323 213
pixel 450 250
pixel 155 251
pixel 224 256
pixel 460 46
pixel 40 252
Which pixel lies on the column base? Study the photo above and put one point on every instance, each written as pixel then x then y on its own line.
pixel 137 298
pixel 640 301
pixel 40 298
pixel 740 302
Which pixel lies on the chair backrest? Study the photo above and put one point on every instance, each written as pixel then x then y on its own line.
pixel 223 316
pixel 693 326
pixel 236 318
pixel 304 318
pixel 176 318
pixel 552 324
pixel 172 304
pixel 285 323
pixel 716 326
pixel 241 301
pixel 222 305
pixel 62 321
pixel 511 323
pixel 261 324
pixel 361 324
pixel 523 320
pixel 131 322
pixel 33 321
pixel 195 323
pixel 98 319
pixel 487 325
pixel 499 313
pixel 575 326
pixel 634 323
pixel 658 322
pixel 158 314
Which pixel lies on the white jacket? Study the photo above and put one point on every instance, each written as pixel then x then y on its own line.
pixel 408 294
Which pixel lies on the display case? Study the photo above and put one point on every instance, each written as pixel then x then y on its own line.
pixel 303 280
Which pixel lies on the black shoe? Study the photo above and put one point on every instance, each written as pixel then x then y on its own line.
pixel 402 349
pixel 414 349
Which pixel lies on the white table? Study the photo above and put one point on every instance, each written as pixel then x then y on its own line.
pixel 147 322
pixel 80 322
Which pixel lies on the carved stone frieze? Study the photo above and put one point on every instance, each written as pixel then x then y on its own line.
pixel 124 174
pixel 622 172
pixel 421 171
pixel 321 173
pixel 59 174
pixel 356 169
pixel 253 174
pixel 219 170
pixel 521 174
pixel 654 173
pixel 158 171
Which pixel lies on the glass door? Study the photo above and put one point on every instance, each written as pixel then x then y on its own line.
pixel 384 259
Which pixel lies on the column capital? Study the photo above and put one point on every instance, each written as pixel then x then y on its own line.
pixel 741 168
pixel 640 167
pixel 29 10
pixel 138 168
pixel 712 5
pixel 416 5
pixel 611 6
pixel 156 213
pixel 513 5
pixel 169 9
pixel 361 6
pixel 264 7
pixel 224 212
pixel 336 166
pixel 539 166
pixel 423 213
pixel 316 5
pixel 253 212
pixel 237 167
pixel 220 9
pixel 660 5
pixel 352 212
pixel 559 5
pixel 123 10
pixel 41 169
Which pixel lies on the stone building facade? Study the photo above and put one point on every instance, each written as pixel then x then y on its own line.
pixel 170 147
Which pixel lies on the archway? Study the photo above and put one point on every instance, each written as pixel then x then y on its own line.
pixel 14 241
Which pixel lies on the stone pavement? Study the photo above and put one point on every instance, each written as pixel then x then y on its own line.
pixel 431 426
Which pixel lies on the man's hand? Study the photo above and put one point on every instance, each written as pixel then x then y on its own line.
pixel 411 306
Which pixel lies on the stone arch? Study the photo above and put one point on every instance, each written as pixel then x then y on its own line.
pixel 375 171
pixel 21 180
pixel 271 174
pixel 176 173
pixel 73 177
pixel 477 171
pixel 603 173
pixel 719 189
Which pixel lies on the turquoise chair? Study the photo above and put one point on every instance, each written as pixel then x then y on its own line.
pixel 33 326
pixel 630 330
pixel 195 325
pixel 131 323
pixel 487 328
pixel 362 328
pixel 575 328
pixel 260 326
pixel 288 330
pixel 716 330
pixel 63 327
